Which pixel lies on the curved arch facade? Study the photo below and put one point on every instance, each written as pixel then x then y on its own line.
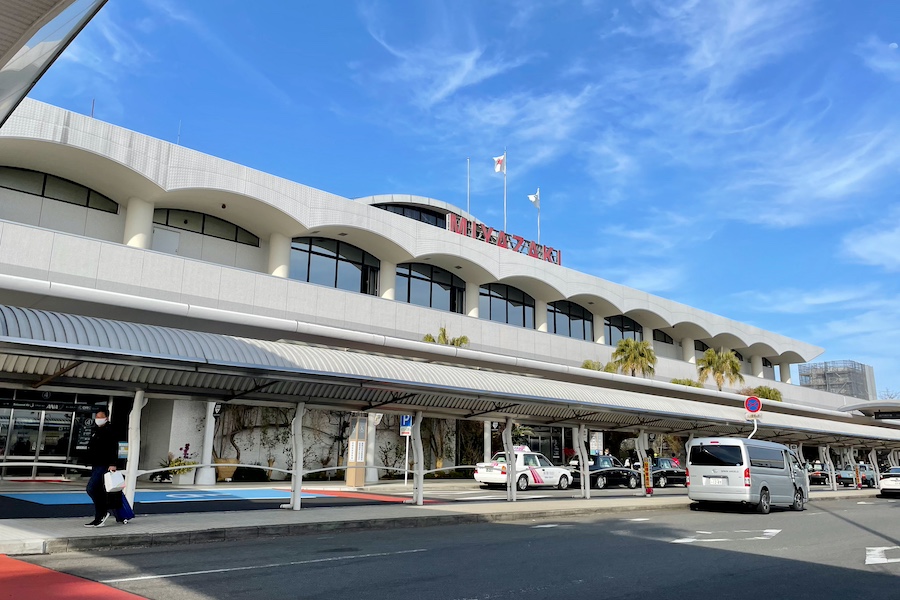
pixel 130 165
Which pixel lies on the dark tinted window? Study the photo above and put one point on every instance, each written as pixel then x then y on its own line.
pixel 203 224
pixel 620 327
pixel 716 455
pixel 432 217
pixel 334 264
pixel 55 188
pixel 771 458
pixel 570 319
pixel 430 286
pixel 506 304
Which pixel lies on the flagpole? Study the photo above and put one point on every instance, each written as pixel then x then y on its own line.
pixel 539 215
pixel 468 187
pixel 505 165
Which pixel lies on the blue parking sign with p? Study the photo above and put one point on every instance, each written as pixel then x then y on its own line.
pixel 405 424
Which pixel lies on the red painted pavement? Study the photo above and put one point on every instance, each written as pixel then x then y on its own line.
pixel 23 581
pixel 361 496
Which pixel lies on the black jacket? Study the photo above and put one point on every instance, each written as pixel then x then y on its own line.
pixel 103 449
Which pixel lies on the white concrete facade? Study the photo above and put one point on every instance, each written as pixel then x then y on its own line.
pixel 57 256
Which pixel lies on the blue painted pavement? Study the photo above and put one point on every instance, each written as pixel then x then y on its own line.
pixel 57 498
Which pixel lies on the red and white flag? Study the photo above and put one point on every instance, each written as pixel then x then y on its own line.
pixel 500 164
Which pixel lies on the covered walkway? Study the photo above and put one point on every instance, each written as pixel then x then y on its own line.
pixel 56 351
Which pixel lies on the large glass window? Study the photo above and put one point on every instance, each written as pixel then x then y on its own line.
pixel 431 286
pixel 55 188
pixel 506 304
pixel 334 264
pixel 189 220
pixel 662 336
pixel 571 320
pixel 621 327
pixel 700 346
pixel 432 217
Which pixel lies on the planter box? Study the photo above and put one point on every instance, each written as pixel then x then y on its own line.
pixel 185 479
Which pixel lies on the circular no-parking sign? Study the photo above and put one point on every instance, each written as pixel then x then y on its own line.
pixel 752 404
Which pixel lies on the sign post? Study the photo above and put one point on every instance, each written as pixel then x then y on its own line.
pixel 406 431
pixel 753 405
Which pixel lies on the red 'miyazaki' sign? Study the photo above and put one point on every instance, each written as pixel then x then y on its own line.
pixel 516 243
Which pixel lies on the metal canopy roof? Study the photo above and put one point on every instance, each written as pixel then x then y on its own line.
pixel 43 348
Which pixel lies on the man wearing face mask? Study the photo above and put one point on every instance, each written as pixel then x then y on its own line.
pixel 102 453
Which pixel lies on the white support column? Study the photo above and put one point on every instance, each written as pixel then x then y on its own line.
pixel 138 223
pixel 599 331
pixel 825 457
pixel 784 372
pixel 893 458
pixel 387 280
pixel 419 457
pixel 279 255
pixel 578 435
pixel 473 294
pixel 297 445
pixel 873 460
pixel 487 441
pixel 134 445
pixel 207 475
pixel 509 449
pixel 371 424
pixel 687 351
pixel 756 366
pixel 540 315
pixel 642 445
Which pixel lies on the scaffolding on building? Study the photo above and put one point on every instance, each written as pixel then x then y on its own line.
pixel 845 377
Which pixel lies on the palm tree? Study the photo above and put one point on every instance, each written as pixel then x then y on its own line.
pixel 633 357
pixel 446 340
pixel 720 365
pixel 687 382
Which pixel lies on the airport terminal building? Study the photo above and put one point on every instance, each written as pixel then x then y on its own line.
pixel 125 260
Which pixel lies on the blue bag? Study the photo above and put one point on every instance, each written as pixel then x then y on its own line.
pixel 124 512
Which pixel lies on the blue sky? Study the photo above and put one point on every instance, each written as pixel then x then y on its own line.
pixel 741 157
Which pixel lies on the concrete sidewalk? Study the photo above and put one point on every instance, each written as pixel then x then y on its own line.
pixel 51 535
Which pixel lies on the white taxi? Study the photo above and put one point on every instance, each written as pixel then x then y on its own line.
pixel 890 482
pixel 532 469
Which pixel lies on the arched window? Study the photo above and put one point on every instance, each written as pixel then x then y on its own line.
pixel 203 224
pixel 431 286
pixel 55 188
pixel 432 217
pixel 506 304
pixel 700 346
pixel 621 327
pixel 662 336
pixel 570 319
pixel 334 264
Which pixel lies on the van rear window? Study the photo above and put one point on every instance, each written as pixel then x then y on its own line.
pixel 716 456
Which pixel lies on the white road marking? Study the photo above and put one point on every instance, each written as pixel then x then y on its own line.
pixel 865 503
pixel 269 566
pixel 547 526
pixel 876 556
pixel 765 534
pixel 637 520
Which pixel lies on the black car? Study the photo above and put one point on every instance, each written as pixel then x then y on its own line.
pixel 605 471
pixel 819 474
pixel 667 472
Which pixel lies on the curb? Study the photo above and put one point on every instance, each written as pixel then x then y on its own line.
pixel 223 534
pixel 200 536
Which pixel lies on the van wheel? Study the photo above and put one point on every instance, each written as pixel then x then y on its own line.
pixel 797 504
pixel 661 482
pixel 522 483
pixel 600 482
pixel 765 502
pixel 632 482
pixel 563 483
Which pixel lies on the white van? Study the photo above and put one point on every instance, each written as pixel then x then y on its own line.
pixel 748 471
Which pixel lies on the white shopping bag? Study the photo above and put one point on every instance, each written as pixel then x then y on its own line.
pixel 114 481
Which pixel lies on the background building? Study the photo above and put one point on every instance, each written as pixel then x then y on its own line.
pixel 844 377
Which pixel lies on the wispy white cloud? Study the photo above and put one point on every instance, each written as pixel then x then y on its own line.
pixel 444 64
pixel 795 301
pixel 875 244
pixel 881 57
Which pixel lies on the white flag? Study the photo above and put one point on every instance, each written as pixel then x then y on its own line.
pixel 536 198
pixel 500 164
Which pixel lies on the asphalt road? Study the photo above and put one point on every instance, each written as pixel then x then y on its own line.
pixel 834 550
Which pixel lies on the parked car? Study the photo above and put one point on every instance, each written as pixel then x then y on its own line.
pixel 666 472
pixel 532 469
pixel 847 477
pixel 819 474
pixel 890 482
pixel 605 471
